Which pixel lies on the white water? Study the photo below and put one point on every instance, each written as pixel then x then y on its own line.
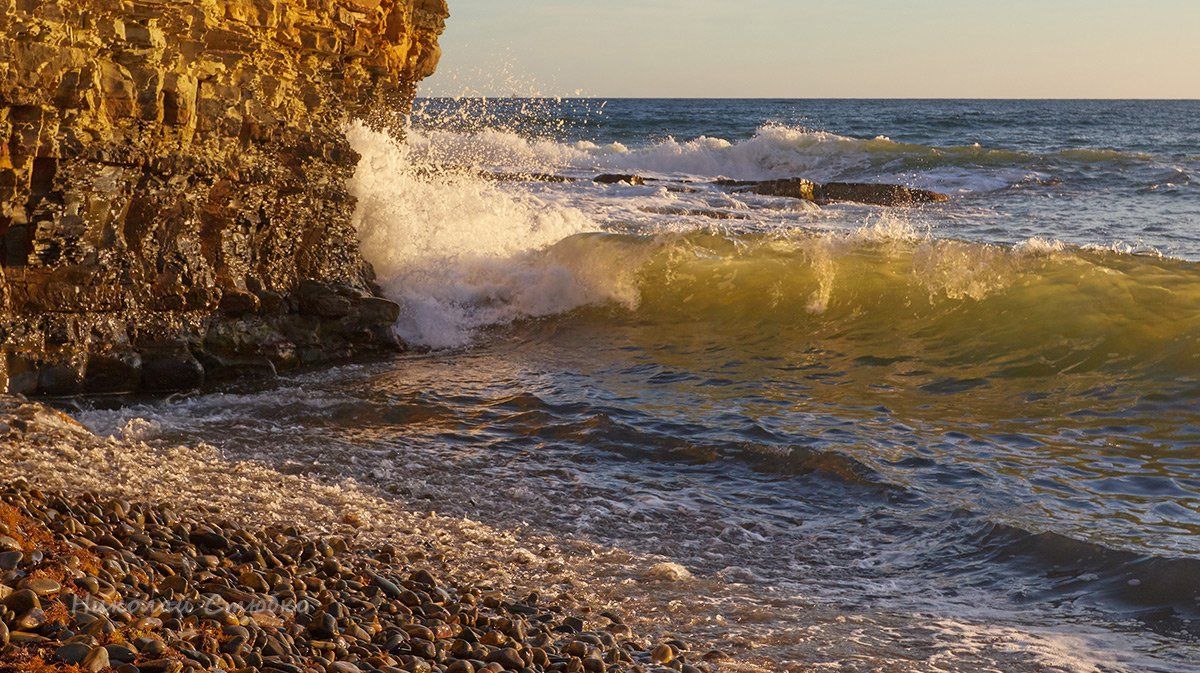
pixel 773 151
pixel 460 252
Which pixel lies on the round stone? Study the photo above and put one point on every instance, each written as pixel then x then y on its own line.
pixel 43 586
pixel 72 653
pixel 96 660
pixel 121 653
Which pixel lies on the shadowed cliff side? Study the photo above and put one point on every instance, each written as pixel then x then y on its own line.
pixel 172 184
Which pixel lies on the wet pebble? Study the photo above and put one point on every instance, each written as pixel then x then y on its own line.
pixel 96 660
pixel 43 586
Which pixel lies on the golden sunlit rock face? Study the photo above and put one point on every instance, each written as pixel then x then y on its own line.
pixel 172 170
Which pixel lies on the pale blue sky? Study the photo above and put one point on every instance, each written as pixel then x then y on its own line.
pixel 823 48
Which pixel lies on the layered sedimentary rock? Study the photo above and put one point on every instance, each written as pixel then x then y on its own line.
pixel 172 184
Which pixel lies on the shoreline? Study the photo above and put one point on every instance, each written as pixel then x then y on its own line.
pixel 50 453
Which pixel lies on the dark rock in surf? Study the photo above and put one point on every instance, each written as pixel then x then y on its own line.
pixel 794 188
pixel 877 195
pixel 833 192
pixel 615 179
pixel 219 368
pixel 376 311
pixel 525 177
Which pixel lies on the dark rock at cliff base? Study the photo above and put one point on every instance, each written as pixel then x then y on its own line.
pixel 372 311
pixel 853 192
pixel 878 195
pixel 58 380
pixel 239 303
pixel 21 372
pixel 614 179
pixel 218 368
pixel 323 300
pixel 271 303
pixel 116 372
pixel 171 371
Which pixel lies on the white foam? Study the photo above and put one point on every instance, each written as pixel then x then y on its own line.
pixel 459 252
pixel 774 151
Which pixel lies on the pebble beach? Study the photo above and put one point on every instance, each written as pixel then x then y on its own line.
pixel 177 571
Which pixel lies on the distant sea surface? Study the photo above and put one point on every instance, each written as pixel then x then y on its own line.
pixel 970 429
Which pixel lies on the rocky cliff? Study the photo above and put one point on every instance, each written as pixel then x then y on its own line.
pixel 172 184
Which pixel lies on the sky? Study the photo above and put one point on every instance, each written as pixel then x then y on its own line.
pixel 822 48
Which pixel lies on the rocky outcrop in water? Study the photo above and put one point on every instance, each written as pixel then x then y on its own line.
pixel 172 184
pixel 872 194
pixel 836 192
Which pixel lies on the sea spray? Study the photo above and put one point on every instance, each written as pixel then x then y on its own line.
pixel 773 151
pixel 459 252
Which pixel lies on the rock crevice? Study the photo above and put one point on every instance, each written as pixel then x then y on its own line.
pixel 172 172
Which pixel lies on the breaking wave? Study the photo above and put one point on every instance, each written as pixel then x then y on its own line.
pixel 773 151
pixel 462 254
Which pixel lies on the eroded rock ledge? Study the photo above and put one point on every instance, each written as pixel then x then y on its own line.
pixel 172 184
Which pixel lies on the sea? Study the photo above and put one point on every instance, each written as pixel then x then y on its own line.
pixel 963 436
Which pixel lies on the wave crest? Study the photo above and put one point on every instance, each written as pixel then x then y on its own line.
pixel 462 254
pixel 773 151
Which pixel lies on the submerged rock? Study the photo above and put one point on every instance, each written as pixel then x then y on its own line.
pixel 668 572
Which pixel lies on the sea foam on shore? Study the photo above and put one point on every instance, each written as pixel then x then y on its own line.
pixel 45 451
